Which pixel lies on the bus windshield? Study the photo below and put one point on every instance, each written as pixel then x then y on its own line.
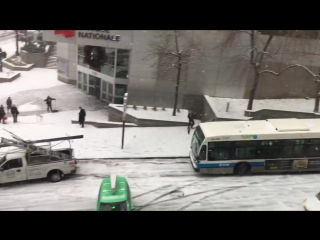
pixel 197 139
pixel 119 206
pixel 2 159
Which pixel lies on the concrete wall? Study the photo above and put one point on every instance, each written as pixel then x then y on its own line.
pixel 67 62
pixel 38 59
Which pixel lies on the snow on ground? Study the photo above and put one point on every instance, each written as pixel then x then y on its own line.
pixel 103 142
pixel 8 45
pixel 149 113
pixel 163 185
pixel 37 78
pixel 238 106
pixel 29 107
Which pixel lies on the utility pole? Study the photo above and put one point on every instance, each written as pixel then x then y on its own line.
pixel 17 42
pixel 125 98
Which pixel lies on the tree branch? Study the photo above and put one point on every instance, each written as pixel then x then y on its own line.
pixel 291 66
pixel 265 48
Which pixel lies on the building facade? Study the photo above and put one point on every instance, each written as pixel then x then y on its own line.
pixel 109 63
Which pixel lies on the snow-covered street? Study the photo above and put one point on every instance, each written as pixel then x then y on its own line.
pixel 159 185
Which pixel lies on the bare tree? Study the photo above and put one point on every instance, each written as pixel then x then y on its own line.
pixel 258 51
pixel 315 76
pixel 174 50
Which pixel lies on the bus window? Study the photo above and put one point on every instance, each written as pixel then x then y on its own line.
pixel 203 153
pixel 314 148
pixel 245 149
pixel 219 151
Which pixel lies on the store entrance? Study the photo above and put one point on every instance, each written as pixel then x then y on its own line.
pixel 94 86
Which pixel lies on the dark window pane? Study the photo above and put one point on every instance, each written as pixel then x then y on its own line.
pixel 104 86
pixel 118 100
pixel 110 88
pixel 104 96
pixel 314 150
pixel 120 89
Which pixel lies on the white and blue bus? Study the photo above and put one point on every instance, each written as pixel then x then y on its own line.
pixel 258 146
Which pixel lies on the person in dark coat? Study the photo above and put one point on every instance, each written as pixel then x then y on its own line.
pixel 14 112
pixel 49 103
pixel 2 114
pixel 9 103
pixel 190 117
pixel 82 116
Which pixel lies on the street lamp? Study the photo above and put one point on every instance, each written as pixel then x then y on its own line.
pixel 125 98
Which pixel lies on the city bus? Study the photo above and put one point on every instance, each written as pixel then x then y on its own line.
pixel 256 146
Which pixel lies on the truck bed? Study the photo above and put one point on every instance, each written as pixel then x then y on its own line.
pixel 39 158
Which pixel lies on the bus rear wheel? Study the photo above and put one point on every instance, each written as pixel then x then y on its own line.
pixel 242 169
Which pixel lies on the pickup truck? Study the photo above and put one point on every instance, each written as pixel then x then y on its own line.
pixel 22 166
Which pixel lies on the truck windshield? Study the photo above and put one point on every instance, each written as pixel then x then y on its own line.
pixel 119 206
pixel 2 159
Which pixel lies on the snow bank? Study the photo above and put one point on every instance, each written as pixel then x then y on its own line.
pixel 149 113
pixel 238 106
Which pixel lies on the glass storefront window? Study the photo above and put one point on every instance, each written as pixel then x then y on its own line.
pixel 85 88
pixel 109 64
pixel 120 90
pixel 79 85
pixel 104 96
pixel 122 69
pixel 91 90
pixel 118 100
pixel 81 61
pixel 104 86
pixel 110 99
pixel 110 88
pixel 81 50
pixel 79 77
pixel 85 79
pixel 92 80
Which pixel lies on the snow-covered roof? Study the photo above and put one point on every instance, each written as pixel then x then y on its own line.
pixel 260 127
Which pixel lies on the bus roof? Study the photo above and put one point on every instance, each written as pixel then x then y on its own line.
pixel 120 193
pixel 256 127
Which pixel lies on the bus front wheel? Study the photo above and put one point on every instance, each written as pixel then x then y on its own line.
pixel 242 169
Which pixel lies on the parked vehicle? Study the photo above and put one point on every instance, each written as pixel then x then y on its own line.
pixel 114 195
pixel 34 162
pixel 21 166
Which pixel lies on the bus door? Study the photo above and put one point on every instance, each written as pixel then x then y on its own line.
pixel 203 152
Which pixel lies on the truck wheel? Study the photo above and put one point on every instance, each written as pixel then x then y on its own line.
pixel 54 176
pixel 242 169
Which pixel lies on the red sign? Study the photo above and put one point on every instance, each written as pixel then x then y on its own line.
pixel 65 33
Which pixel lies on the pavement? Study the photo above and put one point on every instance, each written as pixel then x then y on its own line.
pixel 163 185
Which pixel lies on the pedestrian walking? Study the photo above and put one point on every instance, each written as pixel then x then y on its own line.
pixel 191 121
pixel 9 104
pixel 14 112
pixel 49 103
pixel 82 116
pixel 3 117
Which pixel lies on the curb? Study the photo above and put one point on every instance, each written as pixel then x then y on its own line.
pixel 131 158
